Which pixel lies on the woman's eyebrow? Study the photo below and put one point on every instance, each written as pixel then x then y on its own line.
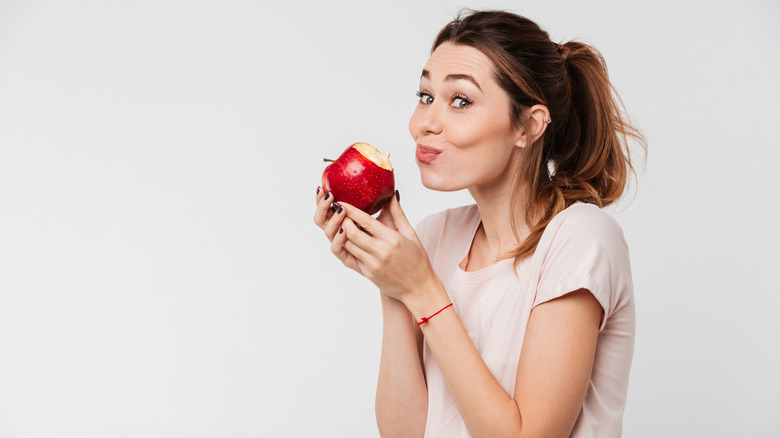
pixel 454 77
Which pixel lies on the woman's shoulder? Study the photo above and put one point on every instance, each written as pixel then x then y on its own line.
pixel 582 232
pixel 583 247
pixel 586 221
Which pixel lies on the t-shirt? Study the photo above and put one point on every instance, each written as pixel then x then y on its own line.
pixel 582 247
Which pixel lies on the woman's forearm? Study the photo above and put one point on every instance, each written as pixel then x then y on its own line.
pixel 553 372
pixel 401 396
pixel 486 408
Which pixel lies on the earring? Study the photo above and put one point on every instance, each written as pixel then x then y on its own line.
pixel 548 121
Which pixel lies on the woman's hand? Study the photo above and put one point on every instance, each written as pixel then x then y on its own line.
pixel 329 218
pixel 387 251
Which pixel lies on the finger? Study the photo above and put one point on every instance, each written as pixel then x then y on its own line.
pixel 386 219
pixel 366 222
pixel 334 223
pixel 323 211
pixel 350 234
pixel 399 218
pixel 358 238
pixel 318 194
pixel 361 257
pixel 337 248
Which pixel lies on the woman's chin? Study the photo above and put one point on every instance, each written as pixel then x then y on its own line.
pixel 437 184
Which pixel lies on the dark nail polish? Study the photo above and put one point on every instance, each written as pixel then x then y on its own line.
pixel 335 207
pixel 340 210
pixel 341 230
pixel 318 190
pixel 327 195
pixel 397 196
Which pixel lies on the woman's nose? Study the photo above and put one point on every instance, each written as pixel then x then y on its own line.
pixel 430 121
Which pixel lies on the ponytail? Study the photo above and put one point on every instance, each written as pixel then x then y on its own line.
pixel 584 156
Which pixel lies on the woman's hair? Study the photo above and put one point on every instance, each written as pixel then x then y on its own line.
pixel 584 152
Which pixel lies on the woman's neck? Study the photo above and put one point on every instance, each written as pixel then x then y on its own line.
pixel 495 238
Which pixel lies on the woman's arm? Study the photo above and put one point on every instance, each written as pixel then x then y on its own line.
pixel 556 363
pixel 558 350
pixel 401 394
pixel 402 397
pixel 552 375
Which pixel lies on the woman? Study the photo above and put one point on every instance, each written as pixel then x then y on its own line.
pixel 513 316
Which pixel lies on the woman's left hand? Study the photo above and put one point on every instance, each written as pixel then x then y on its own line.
pixel 387 250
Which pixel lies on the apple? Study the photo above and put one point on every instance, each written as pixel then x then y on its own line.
pixel 361 176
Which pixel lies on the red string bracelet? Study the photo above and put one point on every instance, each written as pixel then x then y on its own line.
pixel 423 320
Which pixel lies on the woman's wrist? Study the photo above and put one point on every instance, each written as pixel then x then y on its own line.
pixel 390 304
pixel 427 299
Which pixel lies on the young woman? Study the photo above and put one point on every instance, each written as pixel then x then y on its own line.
pixel 513 316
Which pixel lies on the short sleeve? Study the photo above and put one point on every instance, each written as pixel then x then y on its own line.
pixel 586 250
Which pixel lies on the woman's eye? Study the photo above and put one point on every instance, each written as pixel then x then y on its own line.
pixel 425 98
pixel 460 102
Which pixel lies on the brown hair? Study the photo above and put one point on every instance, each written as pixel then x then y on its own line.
pixel 584 153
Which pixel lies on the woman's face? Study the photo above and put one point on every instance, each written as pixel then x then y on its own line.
pixel 462 124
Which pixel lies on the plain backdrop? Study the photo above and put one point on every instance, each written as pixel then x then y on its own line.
pixel 160 274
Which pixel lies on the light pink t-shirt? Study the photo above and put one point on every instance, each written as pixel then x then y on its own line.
pixel 582 247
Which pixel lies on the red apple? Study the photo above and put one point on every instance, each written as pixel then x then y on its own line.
pixel 362 176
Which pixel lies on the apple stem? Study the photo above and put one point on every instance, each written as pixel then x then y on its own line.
pixel 328 160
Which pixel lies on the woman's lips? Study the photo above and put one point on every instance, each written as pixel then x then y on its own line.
pixel 426 154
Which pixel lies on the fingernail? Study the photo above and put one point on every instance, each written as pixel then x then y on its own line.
pixel 340 210
pixel 327 195
pixel 341 230
pixel 318 190
pixel 397 196
pixel 335 207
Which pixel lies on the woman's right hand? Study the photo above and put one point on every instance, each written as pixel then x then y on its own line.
pixel 329 216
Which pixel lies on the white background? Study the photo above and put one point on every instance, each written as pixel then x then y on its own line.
pixel 160 274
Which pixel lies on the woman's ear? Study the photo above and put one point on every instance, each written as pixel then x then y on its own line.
pixel 534 126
